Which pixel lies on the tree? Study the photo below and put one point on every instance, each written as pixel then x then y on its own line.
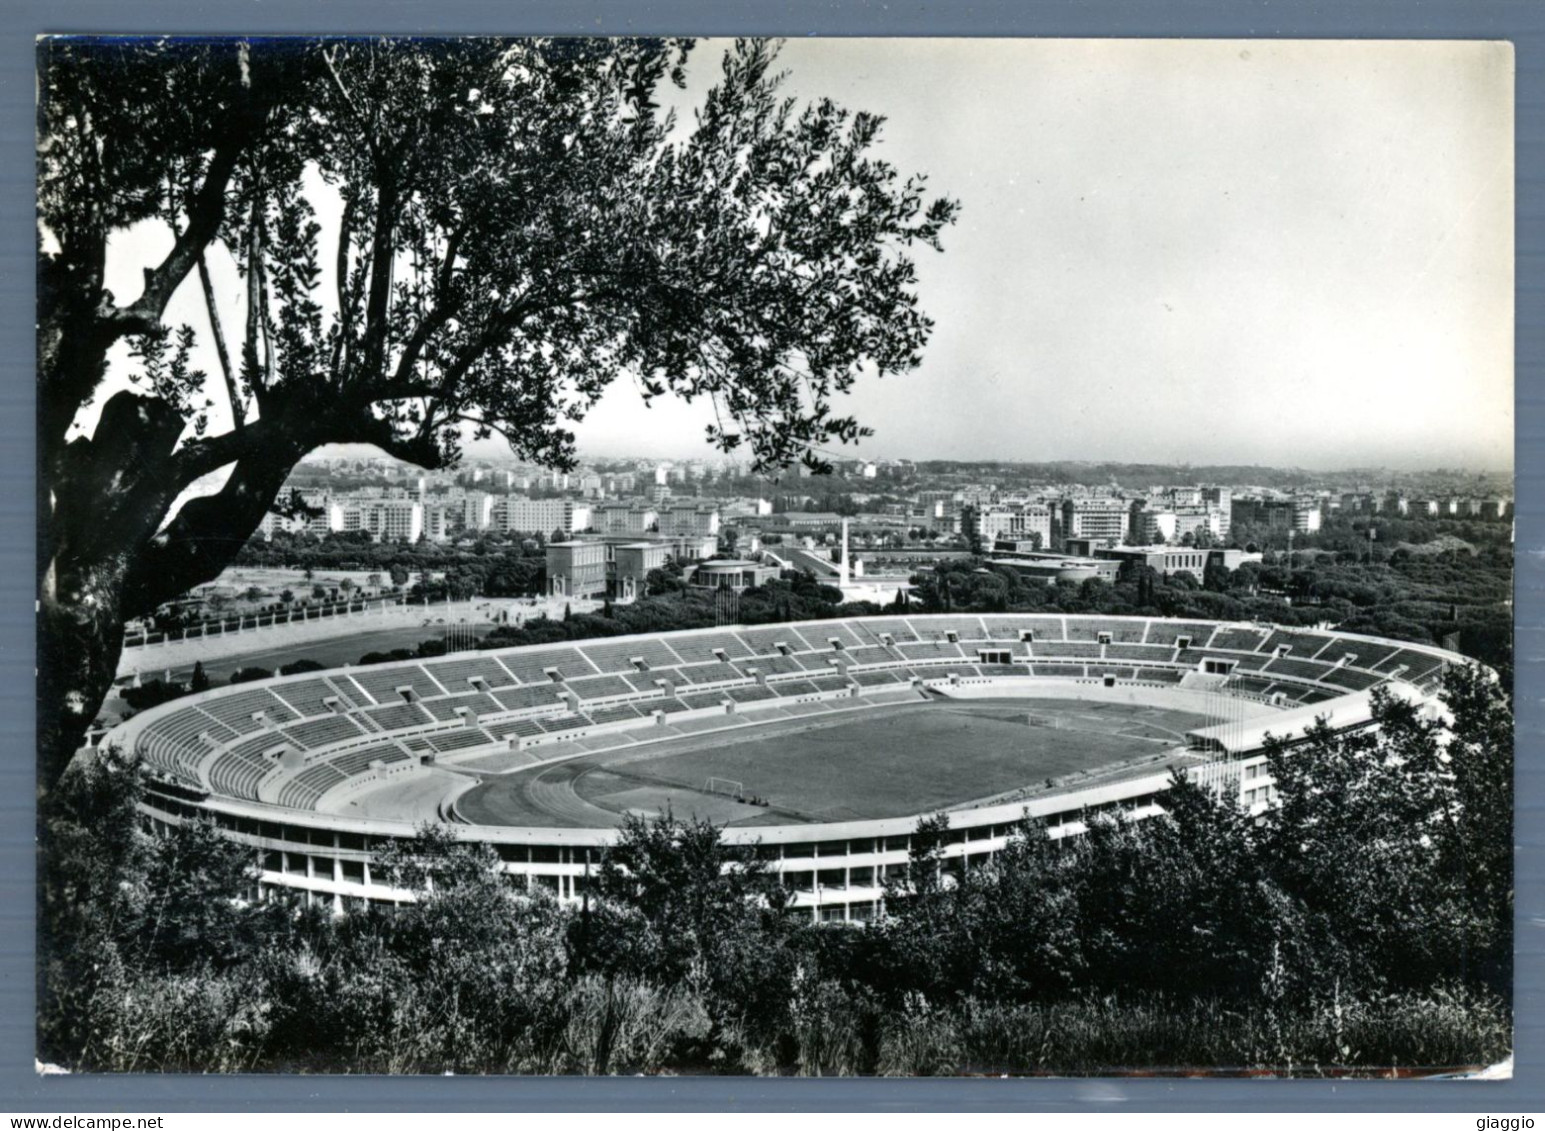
pixel 199 680
pixel 1476 837
pixel 1215 576
pixel 296 667
pixel 676 901
pixel 517 223
pixel 1396 839
pixel 971 525
pixel 658 582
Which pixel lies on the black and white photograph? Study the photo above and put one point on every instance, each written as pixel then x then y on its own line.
pixel 749 557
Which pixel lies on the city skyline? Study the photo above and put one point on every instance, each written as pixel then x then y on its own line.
pixel 495 453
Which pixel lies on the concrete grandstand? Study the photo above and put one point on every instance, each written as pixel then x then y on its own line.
pixel 818 742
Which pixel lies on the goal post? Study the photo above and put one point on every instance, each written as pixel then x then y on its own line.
pixel 727 786
pixel 1036 720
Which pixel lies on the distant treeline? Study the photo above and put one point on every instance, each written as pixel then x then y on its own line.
pixel 1453 597
pixel 1144 475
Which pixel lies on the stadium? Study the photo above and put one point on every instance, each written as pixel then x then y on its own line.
pixel 820 743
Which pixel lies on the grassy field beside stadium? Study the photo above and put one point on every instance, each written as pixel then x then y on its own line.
pixel 881 762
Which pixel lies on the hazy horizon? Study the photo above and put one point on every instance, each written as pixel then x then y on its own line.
pixel 493 450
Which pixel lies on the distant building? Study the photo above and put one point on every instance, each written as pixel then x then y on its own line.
pixel 541 516
pixel 395 520
pixel 1052 568
pixel 1150 526
pixel 1356 503
pixel 808 520
pixel 1277 514
pixel 688 518
pixel 1012 546
pixel 631 563
pixel 438 522
pixel 1170 560
pixel 1024 521
pixel 576 569
pixel 1098 518
pixel 937 503
pixel 1200 523
pixel 730 574
pixel 626 518
pixel 628 559
pixel 473 510
pixel 1220 498
pixel 277 524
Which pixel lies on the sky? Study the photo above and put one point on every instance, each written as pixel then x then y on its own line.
pixel 1264 252
pixel 1283 253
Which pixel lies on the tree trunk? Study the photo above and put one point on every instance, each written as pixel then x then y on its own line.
pixel 99 499
pixel 105 556
pixel 80 639
pixel 103 500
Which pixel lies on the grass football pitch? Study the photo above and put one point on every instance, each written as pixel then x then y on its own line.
pixel 883 762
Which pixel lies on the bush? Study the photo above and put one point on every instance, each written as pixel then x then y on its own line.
pixel 299 666
pixel 152 694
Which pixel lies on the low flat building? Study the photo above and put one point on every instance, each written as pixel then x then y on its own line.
pixel 1053 568
pixel 730 574
pixel 1170 560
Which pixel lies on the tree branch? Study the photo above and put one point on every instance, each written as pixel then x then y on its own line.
pixel 205 214
pixel 265 320
pixel 238 412
pixel 206 533
pixel 380 278
pixel 345 297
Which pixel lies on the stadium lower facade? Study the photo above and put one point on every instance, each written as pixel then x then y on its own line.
pixel 540 752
